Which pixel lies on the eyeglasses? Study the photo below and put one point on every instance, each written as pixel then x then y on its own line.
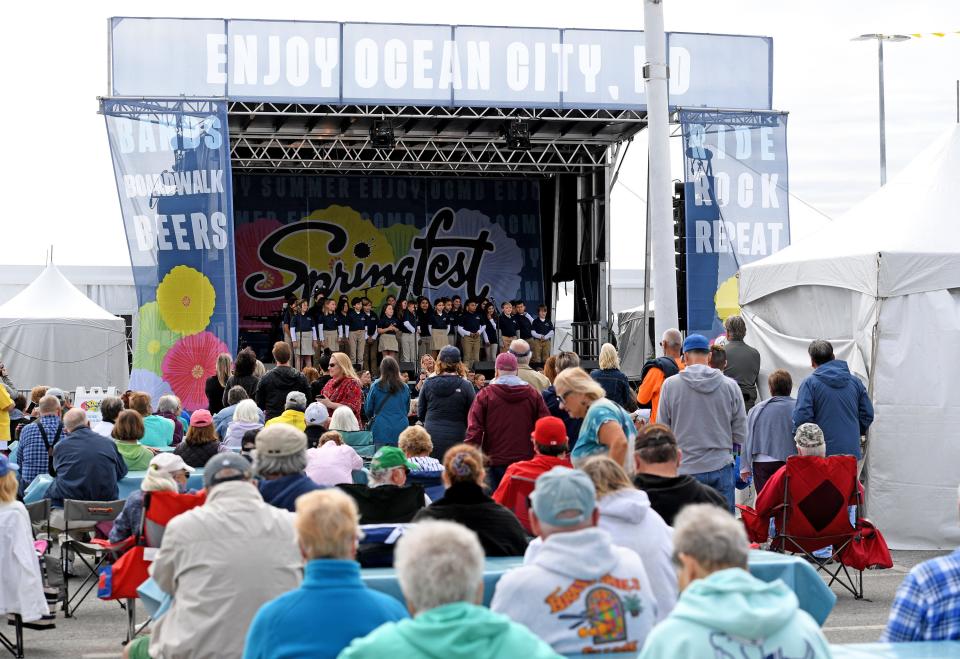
pixel 563 396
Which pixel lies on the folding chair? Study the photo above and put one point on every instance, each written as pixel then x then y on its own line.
pixel 14 647
pixel 361 441
pixel 431 481
pixel 518 496
pixel 81 517
pixel 158 509
pixel 814 514
pixel 39 512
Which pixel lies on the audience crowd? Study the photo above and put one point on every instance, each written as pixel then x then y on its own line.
pixel 618 499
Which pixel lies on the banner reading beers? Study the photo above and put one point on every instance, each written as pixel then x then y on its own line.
pixel 172 166
pixel 378 236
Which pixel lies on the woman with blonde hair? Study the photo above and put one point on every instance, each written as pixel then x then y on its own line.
pixel 216 384
pixel 343 420
pixel 343 389
pixel 466 503
pixel 416 444
pixel 22 591
pixel 626 514
pixel 612 379
pixel 606 427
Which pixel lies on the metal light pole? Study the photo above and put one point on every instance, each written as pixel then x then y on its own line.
pixel 883 131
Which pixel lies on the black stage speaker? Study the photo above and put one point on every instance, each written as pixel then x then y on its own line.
pixel 484 367
pixel 408 367
pixel 589 364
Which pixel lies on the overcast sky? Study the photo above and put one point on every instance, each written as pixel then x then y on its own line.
pixel 60 188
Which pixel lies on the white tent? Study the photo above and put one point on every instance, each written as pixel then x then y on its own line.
pixel 633 342
pixel 882 283
pixel 51 333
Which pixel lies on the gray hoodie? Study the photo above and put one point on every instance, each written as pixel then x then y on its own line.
pixel 705 410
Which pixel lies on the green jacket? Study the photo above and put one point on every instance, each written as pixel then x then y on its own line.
pixel 733 614
pixel 452 631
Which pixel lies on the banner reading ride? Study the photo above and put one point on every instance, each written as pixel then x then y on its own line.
pixel 379 236
pixel 172 166
pixel 736 201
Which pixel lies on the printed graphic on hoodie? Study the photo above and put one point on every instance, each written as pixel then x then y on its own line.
pixel 729 647
pixel 604 618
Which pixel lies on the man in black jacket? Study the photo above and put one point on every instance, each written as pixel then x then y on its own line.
pixel 271 396
pixel 657 460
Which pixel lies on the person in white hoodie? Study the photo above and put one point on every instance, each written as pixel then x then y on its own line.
pixel 705 410
pixel 626 514
pixel 723 610
pixel 579 592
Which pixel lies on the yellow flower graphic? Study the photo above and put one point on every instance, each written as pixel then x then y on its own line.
pixel 727 298
pixel 186 299
pixel 365 244
pixel 154 339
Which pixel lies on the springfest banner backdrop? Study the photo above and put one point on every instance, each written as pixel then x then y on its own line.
pixel 172 166
pixel 377 236
pixel 736 194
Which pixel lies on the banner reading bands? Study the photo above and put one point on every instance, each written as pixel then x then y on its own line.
pixel 736 201
pixel 172 165
pixel 378 236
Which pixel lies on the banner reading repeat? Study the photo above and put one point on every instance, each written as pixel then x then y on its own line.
pixel 736 200
pixel 172 167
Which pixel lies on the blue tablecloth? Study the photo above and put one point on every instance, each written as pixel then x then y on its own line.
pixel 814 595
pixel 922 650
pixel 132 481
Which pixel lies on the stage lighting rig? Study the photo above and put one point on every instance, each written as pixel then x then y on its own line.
pixel 518 135
pixel 381 134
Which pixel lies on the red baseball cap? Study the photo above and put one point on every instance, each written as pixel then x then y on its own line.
pixel 201 418
pixel 550 431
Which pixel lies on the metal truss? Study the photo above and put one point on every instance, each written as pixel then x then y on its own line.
pixel 153 109
pixel 751 118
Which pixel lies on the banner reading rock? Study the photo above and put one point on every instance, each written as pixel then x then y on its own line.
pixel 172 166
pixel 736 194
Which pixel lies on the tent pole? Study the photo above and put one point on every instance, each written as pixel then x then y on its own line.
pixel 647 238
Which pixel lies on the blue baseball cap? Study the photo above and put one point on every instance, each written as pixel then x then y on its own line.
pixel 563 497
pixel 696 342
pixel 6 466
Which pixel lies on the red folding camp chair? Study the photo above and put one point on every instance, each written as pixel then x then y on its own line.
pixel 121 579
pixel 814 514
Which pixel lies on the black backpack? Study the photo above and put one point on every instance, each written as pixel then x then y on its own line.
pixel 665 364
pixel 46 442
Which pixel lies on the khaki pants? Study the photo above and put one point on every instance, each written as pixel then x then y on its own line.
pixel 505 342
pixel 331 340
pixel 471 350
pixel 408 347
pixel 424 347
pixel 370 362
pixel 541 350
pixel 355 345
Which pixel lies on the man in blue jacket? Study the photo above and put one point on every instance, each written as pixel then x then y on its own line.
pixel 88 466
pixel 835 400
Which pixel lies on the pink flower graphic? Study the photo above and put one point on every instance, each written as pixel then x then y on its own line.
pixel 189 363
pixel 248 238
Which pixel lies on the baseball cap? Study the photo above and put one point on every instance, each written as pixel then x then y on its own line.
pixel 696 342
pixel 280 439
pixel 218 469
pixel 316 415
pixel 563 497
pixel 297 400
pixel 389 457
pixel 56 392
pixel 809 435
pixel 6 466
pixel 170 463
pixel 449 355
pixel 550 431
pixel 201 419
pixel 506 362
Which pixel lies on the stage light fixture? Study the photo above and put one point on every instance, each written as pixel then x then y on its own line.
pixel 381 134
pixel 518 135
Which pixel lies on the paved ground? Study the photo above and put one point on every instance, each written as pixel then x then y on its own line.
pixel 99 627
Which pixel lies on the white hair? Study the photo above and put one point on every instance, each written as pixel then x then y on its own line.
pixel 673 338
pixel 246 411
pixel 438 563
pixel 344 419
pixel 712 536
pixel 521 350
pixel 378 477
pixel 168 403
pixel 820 450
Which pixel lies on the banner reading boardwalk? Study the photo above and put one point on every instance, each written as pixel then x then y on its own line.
pixel 736 194
pixel 378 236
pixel 172 165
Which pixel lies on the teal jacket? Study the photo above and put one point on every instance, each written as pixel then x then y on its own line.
pixel 452 631
pixel 734 614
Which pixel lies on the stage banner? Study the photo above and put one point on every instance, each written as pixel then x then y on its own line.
pixel 377 236
pixel 736 192
pixel 172 166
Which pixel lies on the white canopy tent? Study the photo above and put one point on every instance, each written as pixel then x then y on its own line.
pixel 51 333
pixel 882 283
pixel 633 343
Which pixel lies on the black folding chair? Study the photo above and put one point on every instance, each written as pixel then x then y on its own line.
pixel 80 517
pixel 39 512
pixel 14 647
